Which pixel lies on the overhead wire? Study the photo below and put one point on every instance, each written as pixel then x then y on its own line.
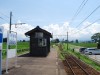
pixel 87 26
pixel 3 19
pixel 6 20
pixel 87 17
pixel 79 10
pixel 4 15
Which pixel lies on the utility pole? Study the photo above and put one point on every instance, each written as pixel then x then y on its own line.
pixel 10 24
pixel 14 24
pixel 67 40
pixel 8 45
pixel 10 21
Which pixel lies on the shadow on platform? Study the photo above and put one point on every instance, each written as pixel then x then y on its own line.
pixel 29 55
pixel 25 55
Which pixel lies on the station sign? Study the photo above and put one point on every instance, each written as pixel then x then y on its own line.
pixel 1 41
pixel 12 38
pixel 1 37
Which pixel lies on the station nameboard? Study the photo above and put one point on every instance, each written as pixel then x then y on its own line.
pixel 1 41
pixel 1 37
pixel 12 38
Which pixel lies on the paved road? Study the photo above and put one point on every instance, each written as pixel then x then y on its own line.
pixel 94 57
pixel 49 65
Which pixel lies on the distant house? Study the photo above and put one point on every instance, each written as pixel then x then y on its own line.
pixel 39 41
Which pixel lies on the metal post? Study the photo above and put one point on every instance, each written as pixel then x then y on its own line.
pixel 10 24
pixel 8 46
pixel 67 40
pixel 7 52
pixel 10 21
pixel 0 62
pixel 16 53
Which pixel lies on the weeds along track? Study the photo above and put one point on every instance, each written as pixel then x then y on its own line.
pixel 74 66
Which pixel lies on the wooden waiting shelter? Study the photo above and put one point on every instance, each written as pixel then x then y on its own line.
pixel 39 41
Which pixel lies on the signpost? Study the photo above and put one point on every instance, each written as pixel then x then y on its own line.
pixel 1 41
pixel 11 41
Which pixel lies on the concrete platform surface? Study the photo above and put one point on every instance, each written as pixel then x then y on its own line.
pixel 49 65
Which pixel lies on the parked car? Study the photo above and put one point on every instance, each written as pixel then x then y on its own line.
pixel 81 50
pixel 91 51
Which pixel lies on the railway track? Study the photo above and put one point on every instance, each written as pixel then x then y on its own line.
pixel 74 66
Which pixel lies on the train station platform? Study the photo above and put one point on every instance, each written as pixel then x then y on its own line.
pixel 50 65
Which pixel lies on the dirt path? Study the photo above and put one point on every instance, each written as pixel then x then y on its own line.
pixel 49 65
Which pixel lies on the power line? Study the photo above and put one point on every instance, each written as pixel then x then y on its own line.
pixel 81 7
pixel 88 16
pixel 79 10
pixel 4 15
pixel 88 26
pixel 3 19
pixel 91 24
pixel 7 16
pixel 59 35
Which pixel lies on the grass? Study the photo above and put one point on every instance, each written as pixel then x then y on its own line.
pixel 22 47
pixel 82 57
pixel 59 53
pixel 85 44
pixel 86 60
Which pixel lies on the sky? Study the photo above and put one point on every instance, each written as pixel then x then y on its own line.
pixel 54 16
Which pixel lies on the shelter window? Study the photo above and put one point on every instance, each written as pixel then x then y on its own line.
pixel 42 42
pixel 39 35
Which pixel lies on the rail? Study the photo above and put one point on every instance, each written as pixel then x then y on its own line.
pixel 74 66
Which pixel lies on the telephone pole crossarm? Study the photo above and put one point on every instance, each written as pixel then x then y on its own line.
pixel 10 21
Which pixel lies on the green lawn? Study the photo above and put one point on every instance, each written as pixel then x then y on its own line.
pixel 22 47
pixel 85 44
pixel 82 57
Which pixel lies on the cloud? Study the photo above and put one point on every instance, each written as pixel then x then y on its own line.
pixel 58 30
pixel 83 34
pixel 20 29
pixel 89 31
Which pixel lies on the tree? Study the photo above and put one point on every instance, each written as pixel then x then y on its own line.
pixel 72 41
pixel 66 41
pixel 76 40
pixel 4 39
pixel 24 41
pixel 57 40
pixel 96 37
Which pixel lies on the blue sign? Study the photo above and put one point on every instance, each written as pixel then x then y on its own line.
pixel 1 35
pixel 1 40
